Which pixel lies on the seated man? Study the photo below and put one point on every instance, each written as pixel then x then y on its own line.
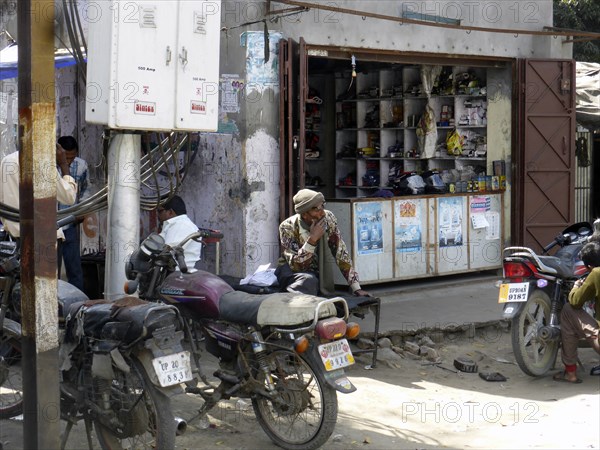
pixel 176 226
pixel 302 236
pixel 575 322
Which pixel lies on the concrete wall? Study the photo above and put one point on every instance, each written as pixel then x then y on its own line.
pixel 338 29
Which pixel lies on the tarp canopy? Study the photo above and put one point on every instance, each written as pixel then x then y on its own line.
pixel 9 61
pixel 587 103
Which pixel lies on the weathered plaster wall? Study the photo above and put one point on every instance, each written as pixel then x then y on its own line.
pixel 499 131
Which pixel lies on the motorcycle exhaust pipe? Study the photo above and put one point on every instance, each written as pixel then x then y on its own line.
pixel 180 426
pixel 548 333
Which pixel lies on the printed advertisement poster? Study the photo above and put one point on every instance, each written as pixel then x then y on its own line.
pixel 407 220
pixel 368 217
pixel 450 215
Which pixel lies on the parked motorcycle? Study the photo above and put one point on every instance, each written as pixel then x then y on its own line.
pixel 533 291
pixel 286 352
pixel 119 363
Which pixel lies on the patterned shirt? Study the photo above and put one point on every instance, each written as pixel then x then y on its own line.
pixel 302 256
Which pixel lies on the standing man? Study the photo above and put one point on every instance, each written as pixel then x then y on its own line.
pixel 176 226
pixel 302 236
pixel 575 322
pixel 66 187
pixel 70 250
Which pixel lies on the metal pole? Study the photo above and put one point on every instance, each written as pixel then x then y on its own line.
pixel 37 161
pixel 123 234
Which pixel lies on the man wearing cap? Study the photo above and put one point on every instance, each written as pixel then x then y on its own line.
pixel 302 236
pixel 176 226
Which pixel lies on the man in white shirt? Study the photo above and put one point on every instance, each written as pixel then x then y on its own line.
pixel 66 187
pixel 176 226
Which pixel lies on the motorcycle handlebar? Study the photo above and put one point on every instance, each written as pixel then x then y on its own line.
pixel 550 246
pixel 181 261
pixel 202 233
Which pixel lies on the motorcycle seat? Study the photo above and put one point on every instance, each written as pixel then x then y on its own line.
pixel 564 268
pixel 124 320
pixel 282 309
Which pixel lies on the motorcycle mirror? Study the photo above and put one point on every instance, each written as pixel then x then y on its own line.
pixel 584 231
pixel 131 286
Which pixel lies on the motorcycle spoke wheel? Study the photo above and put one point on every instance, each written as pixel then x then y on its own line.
pixel 303 413
pixel 534 355
pixel 144 414
pixel 11 378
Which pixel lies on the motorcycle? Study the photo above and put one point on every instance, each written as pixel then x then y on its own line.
pixel 286 352
pixel 534 289
pixel 120 362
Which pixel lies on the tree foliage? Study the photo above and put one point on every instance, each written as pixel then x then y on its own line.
pixel 582 15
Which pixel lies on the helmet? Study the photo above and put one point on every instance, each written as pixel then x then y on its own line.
pixel 410 183
pixel 434 183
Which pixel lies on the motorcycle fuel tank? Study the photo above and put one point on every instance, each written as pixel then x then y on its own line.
pixel 198 292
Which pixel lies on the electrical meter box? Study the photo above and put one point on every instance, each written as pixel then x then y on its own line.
pixel 154 65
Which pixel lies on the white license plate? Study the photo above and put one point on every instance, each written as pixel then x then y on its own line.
pixel 336 355
pixel 173 369
pixel 513 292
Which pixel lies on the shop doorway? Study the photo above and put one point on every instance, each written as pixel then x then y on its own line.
pixel 544 170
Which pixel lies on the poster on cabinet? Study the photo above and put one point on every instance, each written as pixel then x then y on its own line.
pixel 450 229
pixel 410 237
pixel 368 226
pixel 407 229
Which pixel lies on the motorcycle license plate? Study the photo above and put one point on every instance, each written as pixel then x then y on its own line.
pixel 513 292
pixel 173 369
pixel 336 355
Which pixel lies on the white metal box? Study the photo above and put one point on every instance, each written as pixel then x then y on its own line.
pixel 154 65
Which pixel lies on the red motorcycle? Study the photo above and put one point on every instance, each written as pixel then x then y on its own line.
pixel 286 352
pixel 533 291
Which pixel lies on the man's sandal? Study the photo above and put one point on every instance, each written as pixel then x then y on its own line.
pixel 562 376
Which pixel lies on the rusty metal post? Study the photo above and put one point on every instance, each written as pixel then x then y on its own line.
pixel 37 160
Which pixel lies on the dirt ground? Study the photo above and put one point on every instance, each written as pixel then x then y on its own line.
pixel 410 405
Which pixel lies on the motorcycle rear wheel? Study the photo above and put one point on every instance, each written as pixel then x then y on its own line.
pixel 11 377
pixel 308 413
pixel 144 410
pixel 534 356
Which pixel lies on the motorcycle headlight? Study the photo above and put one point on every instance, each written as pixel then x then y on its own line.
pixel 139 260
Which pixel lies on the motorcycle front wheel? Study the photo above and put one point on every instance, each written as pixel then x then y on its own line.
pixel 534 355
pixel 303 412
pixel 11 376
pixel 143 412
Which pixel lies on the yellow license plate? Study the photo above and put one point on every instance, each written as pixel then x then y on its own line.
pixel 513 292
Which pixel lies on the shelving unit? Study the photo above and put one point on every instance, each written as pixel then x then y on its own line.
pixel 377 116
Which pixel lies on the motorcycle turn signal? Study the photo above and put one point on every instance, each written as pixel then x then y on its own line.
pixel 301 344
pixel 352 330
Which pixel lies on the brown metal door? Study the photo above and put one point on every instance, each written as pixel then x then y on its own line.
pixel 544 175
pixel 292 104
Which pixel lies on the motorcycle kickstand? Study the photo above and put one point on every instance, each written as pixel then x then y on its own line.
pixel 88 431
pixel 67 432
pixel 65 436
pixel 203 411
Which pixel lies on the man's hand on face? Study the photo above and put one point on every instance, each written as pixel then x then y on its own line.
pixel 61 160
pixel 317 230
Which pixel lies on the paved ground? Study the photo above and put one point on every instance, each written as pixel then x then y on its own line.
pixel 407 403
pixel 443 303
